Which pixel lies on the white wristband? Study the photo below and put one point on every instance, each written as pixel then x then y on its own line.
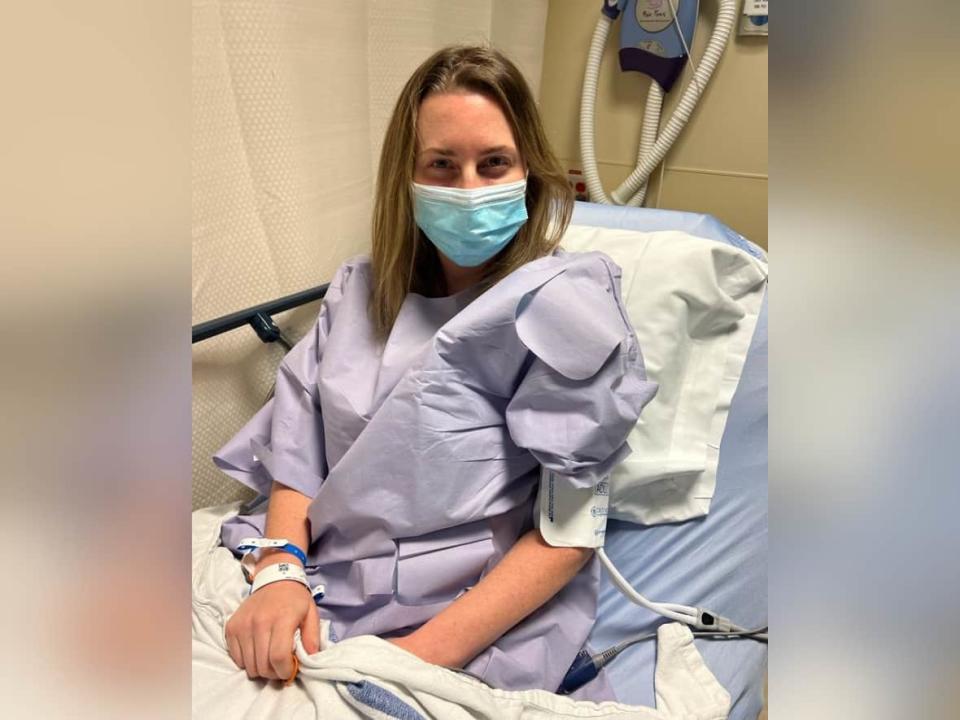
pixel 276 573
pixel 251 547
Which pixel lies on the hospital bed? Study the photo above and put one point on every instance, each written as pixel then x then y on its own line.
pixel 718 561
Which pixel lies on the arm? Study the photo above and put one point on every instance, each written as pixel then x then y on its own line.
pixel 529 575
pixel 260 633
pixel 286 518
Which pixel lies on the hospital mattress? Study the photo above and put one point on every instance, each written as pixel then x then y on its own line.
pixel 718 562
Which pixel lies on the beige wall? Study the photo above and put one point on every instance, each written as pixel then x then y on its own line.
pixel 719 163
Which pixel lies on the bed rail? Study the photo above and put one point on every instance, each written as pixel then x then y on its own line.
pixel 259 317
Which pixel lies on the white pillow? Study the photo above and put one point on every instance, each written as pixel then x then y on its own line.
pixel 694 305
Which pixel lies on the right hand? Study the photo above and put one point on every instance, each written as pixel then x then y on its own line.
pixel 260 633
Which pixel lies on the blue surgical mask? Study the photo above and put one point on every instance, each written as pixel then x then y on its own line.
pixel 470 226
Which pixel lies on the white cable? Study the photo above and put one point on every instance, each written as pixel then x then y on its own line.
pixel 683 41
pixel 660 184
pixel 680 613
pixel 696 617
pixel 726 17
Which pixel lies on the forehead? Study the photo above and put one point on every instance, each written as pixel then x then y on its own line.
pixel 462 121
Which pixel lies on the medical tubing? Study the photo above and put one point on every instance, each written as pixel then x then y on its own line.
pixel 680 613
pixel 648 135
pixel 696 617
pixel 651 114
pixel 586 667
pixel 588 99
pixel 726 16
pixel 603 658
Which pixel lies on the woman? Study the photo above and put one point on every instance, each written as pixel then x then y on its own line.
pixel 402 448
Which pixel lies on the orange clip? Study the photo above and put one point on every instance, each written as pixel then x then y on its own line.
pixel 296 669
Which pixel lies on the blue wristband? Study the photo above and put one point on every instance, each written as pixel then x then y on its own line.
pixel 294 550
pixel 249 545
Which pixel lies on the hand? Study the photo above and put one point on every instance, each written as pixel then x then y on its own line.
pixel 260 633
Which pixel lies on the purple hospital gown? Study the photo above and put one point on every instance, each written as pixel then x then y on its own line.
pixel 422 455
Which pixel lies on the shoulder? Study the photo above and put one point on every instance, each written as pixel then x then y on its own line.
pixel 573 316
pixel 591 263
pixel 564 268
pixel 349 287
pixel 353 277
pixel 588 277
pixel 352 269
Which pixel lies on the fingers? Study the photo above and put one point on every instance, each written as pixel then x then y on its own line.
pixel 241 652
pixel 281 651
pixel 249 656
pixel 310 631
pixel 259 636
pixel 233 647
pixel 262 634
pixel 264 652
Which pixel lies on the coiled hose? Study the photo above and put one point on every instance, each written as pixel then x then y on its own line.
pixel 653 145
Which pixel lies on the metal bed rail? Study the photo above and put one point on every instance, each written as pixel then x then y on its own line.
pixel 259 317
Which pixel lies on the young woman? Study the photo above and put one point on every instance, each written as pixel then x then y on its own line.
pixel 403 446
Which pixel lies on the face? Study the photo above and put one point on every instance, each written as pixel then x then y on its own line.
pixel 464 141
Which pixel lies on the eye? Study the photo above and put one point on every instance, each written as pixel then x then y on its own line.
pixel 498 161
pixel 496 164
pixel 440 164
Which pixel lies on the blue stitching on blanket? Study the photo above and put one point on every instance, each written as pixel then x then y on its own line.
pixel 379 699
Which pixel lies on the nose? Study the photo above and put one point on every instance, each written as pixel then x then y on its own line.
pixel 470 178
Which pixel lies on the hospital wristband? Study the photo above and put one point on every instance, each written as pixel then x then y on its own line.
pixel 251 545
pixel 277 572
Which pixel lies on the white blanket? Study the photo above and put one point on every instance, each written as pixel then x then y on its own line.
pixel 366 677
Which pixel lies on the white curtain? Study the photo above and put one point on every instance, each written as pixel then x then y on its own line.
pixel 290 102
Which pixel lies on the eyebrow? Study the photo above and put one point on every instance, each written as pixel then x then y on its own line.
pixel 450 153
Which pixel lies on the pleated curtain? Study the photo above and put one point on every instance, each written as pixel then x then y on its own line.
pixel 290 102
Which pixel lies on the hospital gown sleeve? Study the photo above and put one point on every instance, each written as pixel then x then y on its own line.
pixel 586 385
pixel 284 440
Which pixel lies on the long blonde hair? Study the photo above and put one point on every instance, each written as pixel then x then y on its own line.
pixel 403 259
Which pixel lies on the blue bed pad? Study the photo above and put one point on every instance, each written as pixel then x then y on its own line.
pixel 651 220
pixel 718 562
